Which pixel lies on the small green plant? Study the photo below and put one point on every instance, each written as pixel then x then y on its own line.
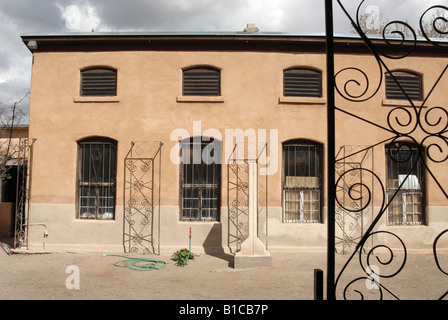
pixel 182 256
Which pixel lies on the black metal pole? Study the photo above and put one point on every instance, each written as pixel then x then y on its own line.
pixel 318 284
pixel 331 192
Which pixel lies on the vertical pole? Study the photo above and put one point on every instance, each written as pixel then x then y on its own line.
pixel 28 182
pixel 159 196
pixel 253 205
pixel 130 196
pixel 330 151
pixel 152 161
pixel 318 284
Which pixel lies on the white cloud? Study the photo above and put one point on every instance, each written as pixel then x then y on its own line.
pixel 80 17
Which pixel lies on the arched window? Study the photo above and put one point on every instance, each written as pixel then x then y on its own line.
pixel 302 82
pixel 411 83
pixel 302 181
pixel 405 184
pixel 200 179
pixel 99 82
pixel 201 81
pixel 97 168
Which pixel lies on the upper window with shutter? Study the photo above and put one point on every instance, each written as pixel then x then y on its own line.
pixel 302 82
pixel 411 86
pixel 99 82
pixel 201 81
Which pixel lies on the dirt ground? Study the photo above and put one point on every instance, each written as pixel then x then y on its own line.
pixel 51 276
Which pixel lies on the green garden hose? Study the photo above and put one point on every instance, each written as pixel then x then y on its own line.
pixel 135 263
pixel 149 264
pixel 189 248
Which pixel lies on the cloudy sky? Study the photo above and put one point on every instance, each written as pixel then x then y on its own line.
pixel 53 16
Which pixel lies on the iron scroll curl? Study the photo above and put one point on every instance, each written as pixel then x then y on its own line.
pixel 418 124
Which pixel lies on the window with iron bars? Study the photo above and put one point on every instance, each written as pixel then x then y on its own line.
pixel 200 177
pixel 405 185
pixel 301 185
pixel 97 164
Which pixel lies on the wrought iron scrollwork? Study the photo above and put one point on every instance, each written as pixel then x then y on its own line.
pixel 238 193
pixel 23 163
pixel 420 125
pixel 142 198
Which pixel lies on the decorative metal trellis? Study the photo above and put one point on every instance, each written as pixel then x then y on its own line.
pixel 425 127
pixel 142 176
pixel 352 217
pixel 238 193
pixel 23 162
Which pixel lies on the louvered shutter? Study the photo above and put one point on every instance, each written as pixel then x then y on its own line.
pixel 302 83
pixel 202 82
pixel 99 82
pixel 411 84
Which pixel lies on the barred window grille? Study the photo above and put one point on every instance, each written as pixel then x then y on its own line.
pixel 200 180
pixel 405 185
pixel 411 85
pixel 201 81
pixel 97 164
pixel 99 82
pixel 301 185
pixel 302 82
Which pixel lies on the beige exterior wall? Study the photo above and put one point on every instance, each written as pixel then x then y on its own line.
pixel 149 106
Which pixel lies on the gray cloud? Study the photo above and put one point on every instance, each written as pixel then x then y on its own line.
pixel 29 16
pixel 209 15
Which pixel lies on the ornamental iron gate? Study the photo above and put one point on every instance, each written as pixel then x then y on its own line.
pixel 142 198
pixel 416 137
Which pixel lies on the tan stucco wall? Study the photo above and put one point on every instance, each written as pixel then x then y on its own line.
pixel 147 109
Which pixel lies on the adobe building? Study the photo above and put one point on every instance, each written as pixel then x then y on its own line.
pixel 142 137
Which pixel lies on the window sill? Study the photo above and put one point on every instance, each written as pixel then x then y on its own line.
pixel 208 221
pixel 209 99
pixel 81 99
pixel 302 100
pixel 400 103
pixel 407 225
pixel 95 219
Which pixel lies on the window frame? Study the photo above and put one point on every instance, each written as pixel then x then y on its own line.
pixel 302 71
pixel 299 191
pixel 107 188
pixel 112 72
pixel 391 86
pixel 196 90
pixel 186 146
pixel 416 186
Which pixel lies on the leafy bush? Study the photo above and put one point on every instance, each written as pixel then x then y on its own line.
pixel 182 256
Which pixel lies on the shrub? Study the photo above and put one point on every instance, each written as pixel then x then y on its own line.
pixel 182 256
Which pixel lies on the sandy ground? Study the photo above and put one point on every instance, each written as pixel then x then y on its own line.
pixel 49 276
